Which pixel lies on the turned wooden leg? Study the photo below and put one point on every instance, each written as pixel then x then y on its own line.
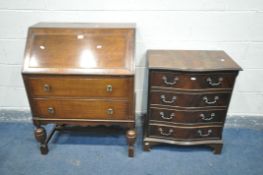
pixel 146 146
pixel 131 137
pixel 41 135
pixel 217 148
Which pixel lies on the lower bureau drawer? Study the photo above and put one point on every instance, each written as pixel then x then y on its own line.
pixel 185 133
pixel 187 99
pixel 81 108
pixel 187 116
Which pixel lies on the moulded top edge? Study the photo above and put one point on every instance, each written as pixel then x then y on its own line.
pixel 84 25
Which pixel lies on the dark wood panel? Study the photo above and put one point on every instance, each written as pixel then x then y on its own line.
pixel 185 133
pixel 191 60
pixel 187 116
pixel 81 108
pixel 189 99
pixel 184 80
pixel 79 86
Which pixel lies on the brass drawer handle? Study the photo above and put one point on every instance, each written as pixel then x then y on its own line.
pixel 205 99
pixel 162 132
pixel 46 88
pixel 109 111
pixel 163 98
pixel 51 110
pixel 210 81
pixel 109 88
pixel 170 83
pixel 204 135
pixel 172 115
pixel 203 117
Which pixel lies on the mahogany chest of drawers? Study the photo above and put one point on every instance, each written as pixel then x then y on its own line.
pixel 188 97
pixel 80 74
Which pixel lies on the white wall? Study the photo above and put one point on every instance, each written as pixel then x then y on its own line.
pixel 235 26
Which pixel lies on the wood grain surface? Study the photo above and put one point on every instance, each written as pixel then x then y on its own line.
pixel 191 60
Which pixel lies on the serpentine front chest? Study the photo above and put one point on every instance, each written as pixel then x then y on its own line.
pixel 188 97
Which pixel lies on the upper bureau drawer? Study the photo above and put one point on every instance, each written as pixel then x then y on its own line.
pixel 78 86
pixel 186 80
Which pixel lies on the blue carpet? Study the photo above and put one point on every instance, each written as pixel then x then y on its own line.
pixel 95 152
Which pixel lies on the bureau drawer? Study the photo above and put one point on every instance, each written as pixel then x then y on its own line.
pixel 187 116
pixel 81 108
pixel 192 80
pixel 80 86
pixel 185 133
pixel 187 99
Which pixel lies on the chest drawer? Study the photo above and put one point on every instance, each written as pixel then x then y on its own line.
pixel 70 86
pixel 185 133
pixel 189 99
pixel 187 116
pixel 192 80
pixel 81 108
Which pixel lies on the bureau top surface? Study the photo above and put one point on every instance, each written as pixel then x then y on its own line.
pixel 80 48
pixel 84 25
pixel 191 60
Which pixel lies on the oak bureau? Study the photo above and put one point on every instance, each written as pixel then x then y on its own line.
pixel 80 75
pixel 188 97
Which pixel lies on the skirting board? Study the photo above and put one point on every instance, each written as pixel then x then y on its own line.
pixel 233 121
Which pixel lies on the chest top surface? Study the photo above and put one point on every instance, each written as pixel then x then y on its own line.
pixel 191 60
pixel 72 48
